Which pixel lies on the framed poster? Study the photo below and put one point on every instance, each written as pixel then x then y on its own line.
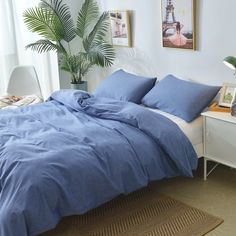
pixel 178 24
pixel 227 95
pixel 120 28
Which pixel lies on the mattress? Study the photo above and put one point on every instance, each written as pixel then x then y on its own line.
pixel 193 130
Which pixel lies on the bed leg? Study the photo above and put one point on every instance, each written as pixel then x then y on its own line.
pixel 205 168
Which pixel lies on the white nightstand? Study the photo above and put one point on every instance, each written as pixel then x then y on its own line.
pixel 219 139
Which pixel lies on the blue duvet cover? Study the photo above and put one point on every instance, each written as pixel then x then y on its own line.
pixel 75 152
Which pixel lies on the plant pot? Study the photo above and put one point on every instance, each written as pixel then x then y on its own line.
pixel 82 86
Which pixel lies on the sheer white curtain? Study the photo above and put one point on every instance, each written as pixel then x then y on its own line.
pixel 14 36
pixel 8 54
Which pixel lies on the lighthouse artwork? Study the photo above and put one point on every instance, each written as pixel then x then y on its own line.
pixel 178 24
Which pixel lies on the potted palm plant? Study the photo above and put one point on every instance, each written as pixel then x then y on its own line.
pixel 52 20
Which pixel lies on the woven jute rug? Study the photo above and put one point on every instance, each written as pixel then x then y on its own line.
pixel 143 213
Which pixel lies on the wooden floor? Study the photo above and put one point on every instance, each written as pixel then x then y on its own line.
pixel 217 195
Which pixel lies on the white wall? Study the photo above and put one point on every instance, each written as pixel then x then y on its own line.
pixel 216 39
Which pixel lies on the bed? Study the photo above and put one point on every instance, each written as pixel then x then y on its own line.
pixel 76 152
pixel 193 130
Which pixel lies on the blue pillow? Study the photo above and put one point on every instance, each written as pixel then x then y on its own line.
pixel 181 98
pixel 125 87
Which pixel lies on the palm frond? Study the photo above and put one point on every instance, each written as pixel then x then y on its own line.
pixel 88 13
pixel 70 63
pixel 42 45
pixel 76 65
pixel 53 22
pixel 43 22
pixel 98 33
pixel 85 67
pixel 85 64
pixel 63 13
pixel 102 54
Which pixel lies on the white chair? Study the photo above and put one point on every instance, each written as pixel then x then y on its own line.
pixel 24 81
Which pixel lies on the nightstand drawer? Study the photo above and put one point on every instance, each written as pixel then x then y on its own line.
pixel 220 141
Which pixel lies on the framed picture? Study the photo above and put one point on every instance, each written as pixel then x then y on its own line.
pixel 120 28
pixel 178 24
pixel 227 95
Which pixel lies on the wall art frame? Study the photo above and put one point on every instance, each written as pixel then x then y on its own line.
pixel 120 28
pixel 178 24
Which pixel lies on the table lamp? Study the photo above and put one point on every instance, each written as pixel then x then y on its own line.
pixel 231 63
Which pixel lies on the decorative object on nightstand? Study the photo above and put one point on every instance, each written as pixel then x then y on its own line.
pixel 219 140
pixel 227 95
pixel 233 109
pixel 215 107
pixel 230 61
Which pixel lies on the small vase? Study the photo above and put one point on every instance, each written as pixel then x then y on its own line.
pixel 81 86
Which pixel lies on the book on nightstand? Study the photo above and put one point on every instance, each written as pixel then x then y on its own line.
pixel 217 108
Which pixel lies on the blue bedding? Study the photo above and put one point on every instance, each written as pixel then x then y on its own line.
pixel 75 152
